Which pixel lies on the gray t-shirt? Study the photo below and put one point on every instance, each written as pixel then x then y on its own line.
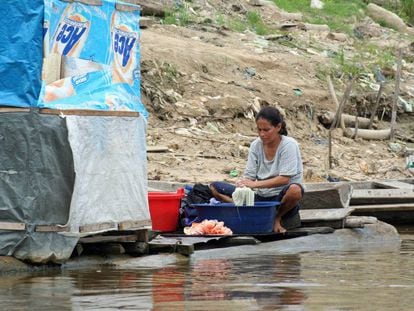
pixel 287 162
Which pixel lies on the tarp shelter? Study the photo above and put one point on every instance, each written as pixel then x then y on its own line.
pixel 67 172
pixel 72 171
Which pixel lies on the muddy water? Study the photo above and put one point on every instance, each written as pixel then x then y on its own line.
pixel 361 279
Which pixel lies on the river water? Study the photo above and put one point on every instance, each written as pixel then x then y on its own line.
pixel 379 278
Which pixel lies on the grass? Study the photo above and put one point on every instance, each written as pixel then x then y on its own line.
pixel 178 16
pixel 252 21
pixel 337 14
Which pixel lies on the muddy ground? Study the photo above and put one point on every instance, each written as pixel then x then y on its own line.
pixel 202 85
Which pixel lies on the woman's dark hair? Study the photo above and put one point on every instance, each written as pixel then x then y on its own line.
pixel 274 116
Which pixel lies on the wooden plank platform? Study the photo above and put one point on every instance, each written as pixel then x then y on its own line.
pixel 325 214
pixel 382 196
pixel 395 184
pixel 326 196
pixel 397 207
pixel 186 244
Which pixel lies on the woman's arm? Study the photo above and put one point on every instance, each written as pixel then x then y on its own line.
pixel 266 183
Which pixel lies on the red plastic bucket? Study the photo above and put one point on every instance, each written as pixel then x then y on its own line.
pixel 164 209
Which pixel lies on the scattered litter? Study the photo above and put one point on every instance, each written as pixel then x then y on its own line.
pixel 316 4
pixel 298 92
pixel 234 173
pixel 249 72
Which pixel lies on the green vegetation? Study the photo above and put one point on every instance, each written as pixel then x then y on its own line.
pixel 181 16
pixel 367 60
pixel 256 23
pixel 337 14
pixel 407 10
pixel 252 21
pixel 178 16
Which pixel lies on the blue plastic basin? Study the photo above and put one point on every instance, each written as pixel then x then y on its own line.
pixel 241 219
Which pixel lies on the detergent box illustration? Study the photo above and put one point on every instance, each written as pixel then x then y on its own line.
pixel 91 56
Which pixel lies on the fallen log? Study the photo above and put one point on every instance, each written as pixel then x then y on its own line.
pixel 367 134
pixel 337 36
pixel 388 18
pixel 286 16
pixel 327 117
pixel 316 27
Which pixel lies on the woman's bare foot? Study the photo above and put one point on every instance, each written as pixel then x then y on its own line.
pixel 278 228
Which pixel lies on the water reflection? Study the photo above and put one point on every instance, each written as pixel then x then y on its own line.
pixel 324 280
pixel 271 291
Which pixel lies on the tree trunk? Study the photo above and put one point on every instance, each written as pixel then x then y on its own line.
pixel 368 134
pixel 327 117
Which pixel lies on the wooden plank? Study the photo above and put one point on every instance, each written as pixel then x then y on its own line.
pixel 134 224
pixel 51 228
pixel 325 214
pixel 397 207
pixel 329 196
pixel 313 230
pixel 393 184
pixel 98 227
pixel 12 226
pixel 108 238
pixel 14 109
pixel 173 245
pixel 137 248
pixel 143 236
pixel 381 196
pixel 87 112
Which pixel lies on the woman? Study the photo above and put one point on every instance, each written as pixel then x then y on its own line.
pixel 274 170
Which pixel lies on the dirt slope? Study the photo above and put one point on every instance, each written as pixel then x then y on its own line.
pixel 203 84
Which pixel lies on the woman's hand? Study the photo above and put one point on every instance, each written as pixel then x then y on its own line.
pixel 246 183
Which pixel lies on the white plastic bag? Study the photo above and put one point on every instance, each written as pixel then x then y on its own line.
pixel 316 4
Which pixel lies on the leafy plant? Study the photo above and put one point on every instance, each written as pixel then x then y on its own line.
pixel 256 23
pixel 178 16
pixel 408 9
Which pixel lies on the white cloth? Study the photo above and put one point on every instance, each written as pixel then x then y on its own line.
pixel 243 196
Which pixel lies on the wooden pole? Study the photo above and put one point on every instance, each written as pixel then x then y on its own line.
pixel 337 120
pixel 396 95
pixel 374 110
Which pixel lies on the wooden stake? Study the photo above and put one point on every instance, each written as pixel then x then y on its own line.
pixel 374 110
pixel 396 95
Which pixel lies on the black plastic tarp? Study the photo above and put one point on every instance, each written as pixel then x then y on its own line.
pixel 36 183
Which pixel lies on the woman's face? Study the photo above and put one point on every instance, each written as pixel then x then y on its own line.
pixel 267 132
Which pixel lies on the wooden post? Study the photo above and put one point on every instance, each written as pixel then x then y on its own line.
pixel 396 95
pixel 374 110
pixel 338 115
pixel 329 149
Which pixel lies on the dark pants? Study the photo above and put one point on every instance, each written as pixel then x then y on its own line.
pixel 289 220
